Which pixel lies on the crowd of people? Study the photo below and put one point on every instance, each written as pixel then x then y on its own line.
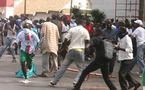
pixel 76 40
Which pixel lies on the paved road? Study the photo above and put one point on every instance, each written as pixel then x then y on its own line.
pixel 8 80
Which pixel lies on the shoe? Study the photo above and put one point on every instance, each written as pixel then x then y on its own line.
pixel 43 75
pixel 140 75
pixel 130 87
pixel 137 86
pixel 74 84
pixel 74 87
pixel 14 61
pixel 25 81
pixel 52 84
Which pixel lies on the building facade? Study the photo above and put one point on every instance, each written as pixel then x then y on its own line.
pixel 120 9
pixel 84 5
pixel 41 9
pixel 7 8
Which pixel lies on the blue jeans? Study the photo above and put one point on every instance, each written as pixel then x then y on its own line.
pixel 72 55
pixel 139 58
pixel 4 39
pixel 8 42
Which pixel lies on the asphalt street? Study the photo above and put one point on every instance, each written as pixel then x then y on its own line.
pixel 8 80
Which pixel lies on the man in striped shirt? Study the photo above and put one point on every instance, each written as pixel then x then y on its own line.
pixel 28 39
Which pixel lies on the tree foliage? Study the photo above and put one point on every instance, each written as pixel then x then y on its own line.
pixel 76 12
pixel 98 16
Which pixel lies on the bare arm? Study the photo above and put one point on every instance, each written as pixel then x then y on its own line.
pixel 132 37
pixel 86 48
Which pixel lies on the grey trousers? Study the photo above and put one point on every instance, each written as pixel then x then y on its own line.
pixel 72 56
pixel 45 62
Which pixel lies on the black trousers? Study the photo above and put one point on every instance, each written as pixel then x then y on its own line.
pixel 112 63
pixel 134 48
pixel 96 64
pixel 124 75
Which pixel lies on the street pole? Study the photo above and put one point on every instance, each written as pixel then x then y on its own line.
pixel 24 7
pixel 70 8
pixel 144 12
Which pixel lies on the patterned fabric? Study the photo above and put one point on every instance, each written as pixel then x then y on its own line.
pixel 50 35
pixel 33 30
pixel 27 41
pixel 27 38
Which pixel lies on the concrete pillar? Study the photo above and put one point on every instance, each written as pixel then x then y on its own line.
pixel 144 12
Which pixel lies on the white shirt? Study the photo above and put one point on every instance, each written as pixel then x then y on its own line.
pixel 139 35
pixel 126 44
pixel 39 29
pixel 64 29
pixel 77 36
pixel 129 31
pixel 27 45
pixel 113 27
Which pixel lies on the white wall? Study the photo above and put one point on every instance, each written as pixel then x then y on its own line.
pixel 8 11
pixel 108 7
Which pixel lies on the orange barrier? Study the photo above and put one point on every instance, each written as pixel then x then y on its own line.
pixel 76 70
pixel 92 73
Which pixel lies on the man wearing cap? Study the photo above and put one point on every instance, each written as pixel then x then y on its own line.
pixel 33 69
pixel 139 35
pixel 28 51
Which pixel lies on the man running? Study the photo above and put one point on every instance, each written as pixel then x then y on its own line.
pixel 28 51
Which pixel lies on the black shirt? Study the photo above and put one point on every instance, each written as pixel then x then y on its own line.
pixel 96 43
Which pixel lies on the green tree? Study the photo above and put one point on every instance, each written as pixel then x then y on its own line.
pixel 86 16
pixel 76 12
pixel 98 16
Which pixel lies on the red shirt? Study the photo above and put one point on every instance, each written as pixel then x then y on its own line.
pixel 89 28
